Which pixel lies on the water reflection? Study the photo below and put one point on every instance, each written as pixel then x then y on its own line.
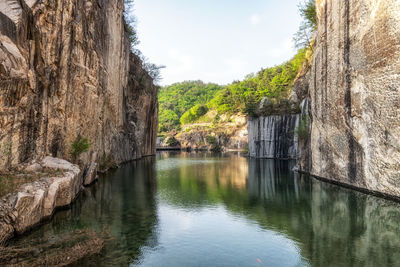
pixel 188 209
pixel 121 203
pixel 332 226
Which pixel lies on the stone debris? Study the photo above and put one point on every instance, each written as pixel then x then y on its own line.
pixel 37 201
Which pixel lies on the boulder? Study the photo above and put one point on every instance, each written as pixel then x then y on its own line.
pixel 38 200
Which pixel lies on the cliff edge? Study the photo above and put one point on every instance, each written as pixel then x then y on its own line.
pixel 354 88
pixel 66 70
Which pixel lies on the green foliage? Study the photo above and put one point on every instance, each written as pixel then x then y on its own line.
pixel 274 83
pixel 171 142
pixel 194 113
pixel 308 12
pixel 6 153
pixel 251 106
pixel 130 24
pixel 303 128
pixel 168 120
pixel 279 107
pixel 79 146
pixel 187 118
pixel 211 139
pixel 199 110
pixel 181 97
pixel 246 149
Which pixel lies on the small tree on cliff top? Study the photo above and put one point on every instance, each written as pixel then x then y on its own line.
pixel 130 24
pixel 130 27
pixel 308 12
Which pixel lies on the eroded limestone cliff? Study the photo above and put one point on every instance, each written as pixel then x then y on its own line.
pixel 354 88
pixel 66 70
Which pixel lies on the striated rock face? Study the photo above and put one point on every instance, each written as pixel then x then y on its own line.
pixel 355 95
pixel 36 201
pixel 66 70
pixel 274 136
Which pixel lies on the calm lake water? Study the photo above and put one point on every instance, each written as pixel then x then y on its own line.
pixel 183 209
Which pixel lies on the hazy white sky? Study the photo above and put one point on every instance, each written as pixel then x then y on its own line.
pixel 216 40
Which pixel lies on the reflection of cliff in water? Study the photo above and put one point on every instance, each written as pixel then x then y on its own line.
pixel 334 226
pixel 122 203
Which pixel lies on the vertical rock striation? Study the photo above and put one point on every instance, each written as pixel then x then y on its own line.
pixel 66 70
pixel 274 136
pixel 354 88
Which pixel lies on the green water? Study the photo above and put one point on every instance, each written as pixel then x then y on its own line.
pixel 209 210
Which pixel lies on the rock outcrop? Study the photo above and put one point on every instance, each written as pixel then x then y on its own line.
pixel 354 88
pixel 66 70
pixel 34 202
pixel 228 135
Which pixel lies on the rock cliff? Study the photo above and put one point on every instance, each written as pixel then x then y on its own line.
pixel 354 88
pixel 274 136
pixel 66 70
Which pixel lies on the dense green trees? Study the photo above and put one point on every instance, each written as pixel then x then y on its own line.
pixel 194 113
pixel 168 120
pixel 274 83
pixel 185 102
pixel 178 98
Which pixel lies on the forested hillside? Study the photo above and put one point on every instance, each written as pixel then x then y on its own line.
pixel 189 101
pixel 178 98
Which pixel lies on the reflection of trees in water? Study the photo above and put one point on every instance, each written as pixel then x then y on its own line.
pixel 124 204
pixel 332 225
pixel 200 183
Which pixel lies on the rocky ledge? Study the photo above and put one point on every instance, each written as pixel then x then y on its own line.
pixel 37 201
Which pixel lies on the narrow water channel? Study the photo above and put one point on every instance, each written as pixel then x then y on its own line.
pixel 186 209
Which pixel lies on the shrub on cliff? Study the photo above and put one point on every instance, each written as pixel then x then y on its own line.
pixel 193 114
pixel 251 106
pixel 6 154
pixel 79 146
pixel 303 129
pixel 130 24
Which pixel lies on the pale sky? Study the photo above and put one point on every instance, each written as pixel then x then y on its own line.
pixel 216 40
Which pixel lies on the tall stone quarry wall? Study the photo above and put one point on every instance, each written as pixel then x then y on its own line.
pixel 354 87
pixel 66 70
pixel 274 136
